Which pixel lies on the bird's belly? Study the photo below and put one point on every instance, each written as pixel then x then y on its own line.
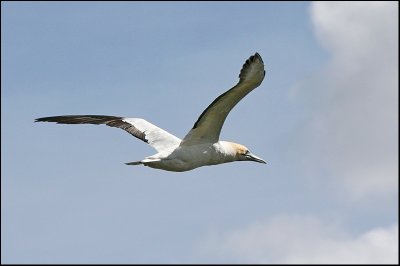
pixel 186 159
pixel 174 165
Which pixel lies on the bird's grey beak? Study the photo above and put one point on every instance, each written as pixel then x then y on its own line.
pixel 252 157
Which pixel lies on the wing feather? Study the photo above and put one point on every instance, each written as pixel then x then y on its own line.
pixel 208 126
pixel 137 127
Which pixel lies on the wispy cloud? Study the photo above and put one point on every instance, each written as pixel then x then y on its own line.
pixel 302 239
pixel 348 141
pixel 352 129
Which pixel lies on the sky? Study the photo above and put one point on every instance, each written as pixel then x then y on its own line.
pixel 325 119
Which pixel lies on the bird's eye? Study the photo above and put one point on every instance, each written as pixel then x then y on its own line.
pixel 247 152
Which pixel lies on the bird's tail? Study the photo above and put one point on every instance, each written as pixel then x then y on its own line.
pixel 134 163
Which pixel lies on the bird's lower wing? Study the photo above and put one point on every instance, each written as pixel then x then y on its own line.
pixel 156 137
pixel 208 126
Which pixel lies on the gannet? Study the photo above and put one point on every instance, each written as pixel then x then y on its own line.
pixel 201 146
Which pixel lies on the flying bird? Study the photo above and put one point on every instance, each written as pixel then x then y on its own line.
pixel 201 146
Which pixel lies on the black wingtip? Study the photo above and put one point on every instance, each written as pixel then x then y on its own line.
pixel 39 120
pixel 46 119
pixel 252 58
pixel 257 55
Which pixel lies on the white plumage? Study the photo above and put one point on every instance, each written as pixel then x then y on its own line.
pixel 201 146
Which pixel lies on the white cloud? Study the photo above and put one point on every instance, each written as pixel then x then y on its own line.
pixel 349 143
pixel 354 29
pixel 352 133
pixel 302 239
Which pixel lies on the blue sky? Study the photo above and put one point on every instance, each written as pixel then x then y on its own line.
pixel 325 119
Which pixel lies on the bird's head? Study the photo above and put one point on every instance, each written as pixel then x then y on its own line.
pixel 243 154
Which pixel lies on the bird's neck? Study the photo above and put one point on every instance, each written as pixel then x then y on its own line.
pixel 227 150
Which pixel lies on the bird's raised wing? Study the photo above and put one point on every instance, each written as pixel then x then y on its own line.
pixel 156 137
pixel 208 126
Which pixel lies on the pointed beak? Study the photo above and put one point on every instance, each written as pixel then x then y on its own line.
pixel 252 157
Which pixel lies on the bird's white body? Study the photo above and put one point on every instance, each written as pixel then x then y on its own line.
pixel 201 146
pixel 179 159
